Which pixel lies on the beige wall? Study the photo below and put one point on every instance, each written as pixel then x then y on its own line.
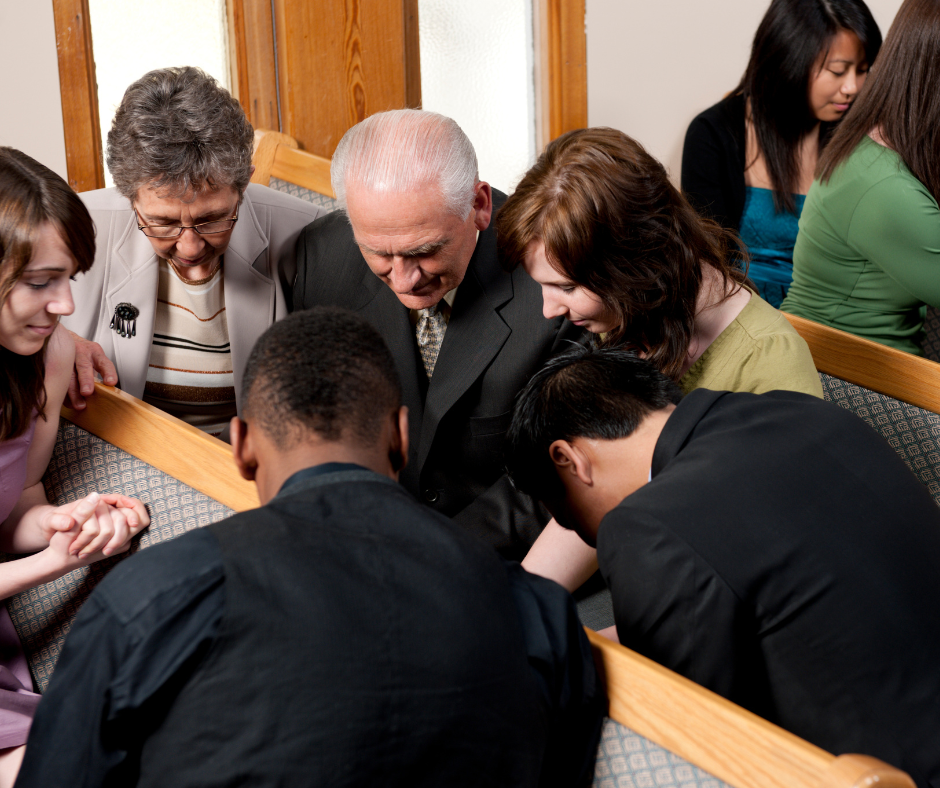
pixel 31 114
pixel 654 65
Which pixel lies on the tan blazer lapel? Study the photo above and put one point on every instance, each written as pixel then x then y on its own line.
pixel 252 299
pixel 134 281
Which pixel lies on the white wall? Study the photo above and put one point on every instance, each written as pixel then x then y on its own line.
pixel 653 66
pixel 31 114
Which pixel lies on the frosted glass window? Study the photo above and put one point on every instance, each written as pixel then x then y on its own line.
pixel 477 67
pixel 132 37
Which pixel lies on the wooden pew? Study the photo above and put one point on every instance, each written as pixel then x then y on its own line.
pixel 896 393
pixel 120 444
pixel 280 164
pixel 667 730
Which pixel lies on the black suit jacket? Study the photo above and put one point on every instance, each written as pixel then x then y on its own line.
pixel 785 557
pixel 496 339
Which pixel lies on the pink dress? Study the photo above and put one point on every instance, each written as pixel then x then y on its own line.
pixel 17 700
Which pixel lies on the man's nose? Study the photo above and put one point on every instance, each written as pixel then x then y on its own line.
pixel 404 276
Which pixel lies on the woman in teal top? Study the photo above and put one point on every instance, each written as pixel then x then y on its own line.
pixel 867 257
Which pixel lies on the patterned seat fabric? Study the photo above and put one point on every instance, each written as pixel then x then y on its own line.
pixel 81 464
pixel 914 433
pixel 931 343
pixel 627 760
pixel 320 200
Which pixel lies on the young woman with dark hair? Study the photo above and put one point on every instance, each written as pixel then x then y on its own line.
pixel 868 255
pixel 619 251
pixel 46 237
pixel 749 160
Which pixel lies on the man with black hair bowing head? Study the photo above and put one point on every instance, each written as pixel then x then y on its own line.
pixel 771 547
pixel 342 634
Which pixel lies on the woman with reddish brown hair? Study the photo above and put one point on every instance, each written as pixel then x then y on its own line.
pixel 619 251
pixel 867 257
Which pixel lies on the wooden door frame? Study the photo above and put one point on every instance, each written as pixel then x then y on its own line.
pixel 560 68
pixel 79 92
pixel 561 75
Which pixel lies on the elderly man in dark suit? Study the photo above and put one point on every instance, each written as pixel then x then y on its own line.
pixel 342 634
pixel 771 547
pixel 415 254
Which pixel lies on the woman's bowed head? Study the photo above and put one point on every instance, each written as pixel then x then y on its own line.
pixel 617 248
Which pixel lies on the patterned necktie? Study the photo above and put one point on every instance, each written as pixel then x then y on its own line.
pixel 430 335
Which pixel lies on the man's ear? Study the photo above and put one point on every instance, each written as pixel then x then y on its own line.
pixel 482 205
pixel 571 461
pixel 398 451
pixel 242 449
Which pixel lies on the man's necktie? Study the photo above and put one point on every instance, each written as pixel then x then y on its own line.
pixel 430 334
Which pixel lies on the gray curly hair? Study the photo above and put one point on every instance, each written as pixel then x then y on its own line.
pixel 407 149
pixel 177 130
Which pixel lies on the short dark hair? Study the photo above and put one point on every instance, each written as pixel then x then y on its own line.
pixel 324 371
pixel 787 47
pixel 600 393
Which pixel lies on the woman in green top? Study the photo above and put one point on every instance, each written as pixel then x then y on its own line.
pixel 867 257
pixel 619 251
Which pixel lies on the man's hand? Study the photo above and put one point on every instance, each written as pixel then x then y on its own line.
pixel 89 358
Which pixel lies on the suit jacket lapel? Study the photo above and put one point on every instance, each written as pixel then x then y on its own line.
pixel 475 334
pixel 135 282
pixel 249 294
pixel 391 318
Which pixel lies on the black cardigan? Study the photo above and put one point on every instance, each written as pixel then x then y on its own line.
pixel 713 162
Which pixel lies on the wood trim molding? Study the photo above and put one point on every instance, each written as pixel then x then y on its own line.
pixel 184 452
pixel 875 366
pixel 79 90
pixel 720 737
pixel 561 68
pixel 252 61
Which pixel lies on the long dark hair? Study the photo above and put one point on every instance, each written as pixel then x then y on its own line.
pixel 785 54
pixel 902 97
pixel 613 223
pixel 32 195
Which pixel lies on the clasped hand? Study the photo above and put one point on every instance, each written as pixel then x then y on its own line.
pixel 94 527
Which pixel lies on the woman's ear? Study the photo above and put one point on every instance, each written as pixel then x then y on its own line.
pixel 242 449
pixel 572 461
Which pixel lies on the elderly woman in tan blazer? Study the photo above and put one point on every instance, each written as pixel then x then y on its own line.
pixel 191 260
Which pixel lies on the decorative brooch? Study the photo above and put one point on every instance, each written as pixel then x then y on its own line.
pixel 124 321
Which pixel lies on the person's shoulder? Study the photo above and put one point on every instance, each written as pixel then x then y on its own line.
pixel 333 227
pixel 726 116
pixel 163 571
pixel 265 198
pixel 109 199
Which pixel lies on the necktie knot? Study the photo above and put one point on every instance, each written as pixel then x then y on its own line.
pixel 430 335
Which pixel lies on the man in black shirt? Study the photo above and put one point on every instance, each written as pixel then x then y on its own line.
pixel 342 634
pixel 772 547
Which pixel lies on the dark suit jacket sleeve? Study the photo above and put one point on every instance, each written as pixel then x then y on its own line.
pixel 137 635
pixel 713 163
pixel 670 605
pixel 561 660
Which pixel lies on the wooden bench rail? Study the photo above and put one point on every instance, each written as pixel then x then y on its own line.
pixel 720 737
pixel 884 369
pixel 179 449
pixel 277 156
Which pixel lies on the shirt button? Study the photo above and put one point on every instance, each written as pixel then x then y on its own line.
pixel 431 496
